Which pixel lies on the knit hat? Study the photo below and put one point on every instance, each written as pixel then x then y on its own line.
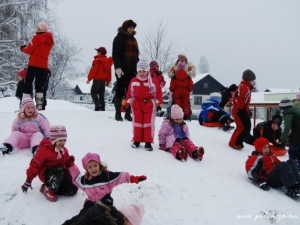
pixel 134 213
pixel 101 50
pixel 24 104
pixel 89 157
pixel 43 26
pixel 176 112
pixel 181 65
pixel 182 53
pixel 277 119
pixel 248 75
pixel 153 64
pixel 232 87
pixel 57 132
pixel 298 96
pixel 22 73
pixel 216 97
pixel 128 23
pixel 143 65
pixel 285 104
pixel 259 143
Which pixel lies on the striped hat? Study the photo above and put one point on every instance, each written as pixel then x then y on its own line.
pixel 58 132
pixel 285 104
pixel 24 104
pixel 143 65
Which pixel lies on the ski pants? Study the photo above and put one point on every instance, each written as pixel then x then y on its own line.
pixel 40 75
pixel 294 151
pixel 20 140
pixel 186 143
pixel 97 92
pixel 219 116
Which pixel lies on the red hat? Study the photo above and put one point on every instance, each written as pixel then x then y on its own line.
pixel 153 64
pixel 259 143
pixel 101 50
pixel 22 73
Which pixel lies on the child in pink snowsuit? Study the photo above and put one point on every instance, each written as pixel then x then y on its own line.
pixel 174 135
pixel 28 129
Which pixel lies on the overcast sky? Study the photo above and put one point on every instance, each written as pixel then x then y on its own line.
pixel 234 35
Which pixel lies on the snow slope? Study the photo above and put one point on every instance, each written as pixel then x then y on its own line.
pixel 214 191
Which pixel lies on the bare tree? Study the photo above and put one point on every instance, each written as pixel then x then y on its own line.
pixel 204 65
pixel 156 45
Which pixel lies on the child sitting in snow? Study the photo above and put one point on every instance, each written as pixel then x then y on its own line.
pixel 98 182
pixel 144 95
pixel 28 129
pixel 50 164
pixel 212 112
pixel 265 170
pixel 156 73
pixel 174 135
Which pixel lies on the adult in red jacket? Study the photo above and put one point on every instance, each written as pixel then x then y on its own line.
pixel 181 86
pixel 50 164
pixel 100 73
pixel 39 49
pixel 241 111
pixel 144 95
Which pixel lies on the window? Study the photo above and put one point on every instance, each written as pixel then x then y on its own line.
pixel 205 85
pixel 81 98
pixel 197 100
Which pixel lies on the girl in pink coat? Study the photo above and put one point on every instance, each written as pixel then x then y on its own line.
pixel 28 129
pixel 98 182
pixel 174 135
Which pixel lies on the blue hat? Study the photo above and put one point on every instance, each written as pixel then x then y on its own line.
pixel 216 97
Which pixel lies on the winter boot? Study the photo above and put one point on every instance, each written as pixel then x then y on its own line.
pixel 181 154
pixel 97 107
pixel 118 105
pixel 5 148
pixel 293 191
pixel 127 114
pixel 50 195
pixel 148 146
pixel 39 100
pixel 135 145
pixel 227 127
pixel 198 154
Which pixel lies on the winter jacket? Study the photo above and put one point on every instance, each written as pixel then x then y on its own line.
pixel 32 125
pixel 189 68
pixel 208 108
pixel 20 88
pixel 242 97
pixel 166 134
pixel 158 75
pixel 226 98
pixel 259 166
pixel 120 50
pixel 39 49
pixel 97 187
pixel 296 103
pixel 46 157
pixel 101 69
pixel 288 114
pixel 295 131
pixel 181 85
pixel 101 214
pixel 264 129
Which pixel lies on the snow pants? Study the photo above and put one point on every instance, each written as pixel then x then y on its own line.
pixel 243 127
pixel 294 151
pixel 144 114
pixel 219 116
pixel 40 75
pixel 21 140
pixel 182 98
pixel 186 143
pixel 97 92
pixel 284 174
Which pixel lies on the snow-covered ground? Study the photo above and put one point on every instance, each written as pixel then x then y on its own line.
pixel 214 191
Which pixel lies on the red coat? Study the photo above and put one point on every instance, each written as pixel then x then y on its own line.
pixel 46 157
pixel 39 49
pixel 101 69
pixel 242 96
pixel 157 75
pixel 181 85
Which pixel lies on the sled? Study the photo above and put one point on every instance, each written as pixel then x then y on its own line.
pixel 277 150
pixel 212 124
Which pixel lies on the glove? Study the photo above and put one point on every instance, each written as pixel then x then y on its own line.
pixel 26 185
pixel 71 160
pixel 137 179
pixel 119 72
pixel 22 46
pixel 162 147
pixel 8 152
pixel 263 185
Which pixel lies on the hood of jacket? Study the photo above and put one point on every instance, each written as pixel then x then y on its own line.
pixel 46 38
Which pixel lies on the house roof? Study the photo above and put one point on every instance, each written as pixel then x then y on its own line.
pixel 278 90
pixel 83 86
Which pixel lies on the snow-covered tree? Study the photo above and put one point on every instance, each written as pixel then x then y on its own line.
pixel 204 65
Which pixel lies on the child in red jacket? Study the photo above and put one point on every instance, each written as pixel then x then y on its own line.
pixel 181 86
pixel 156 73
pixel 144 95
pixel 241 111
pixel 265 170
pixel 50 164
pixel 100 73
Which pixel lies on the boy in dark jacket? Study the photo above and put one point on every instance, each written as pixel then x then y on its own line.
pixel 267 171
pixel 20 84
pixel 227 94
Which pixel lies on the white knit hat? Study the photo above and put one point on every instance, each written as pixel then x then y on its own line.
pixel 182 52
pixel 143 65
pixel 134 213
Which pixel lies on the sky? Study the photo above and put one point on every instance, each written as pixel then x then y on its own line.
pixel 234 35
pixel 211 192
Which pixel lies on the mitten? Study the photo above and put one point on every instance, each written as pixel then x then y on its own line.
pixel 137 179
pixel 119 72
pixel 71 160
pixel 22 46
pixel 263 185
pixel 26 185
pixel 162 147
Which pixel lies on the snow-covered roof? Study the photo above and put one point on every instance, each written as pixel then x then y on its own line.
pixel 279 90
pixel 84 87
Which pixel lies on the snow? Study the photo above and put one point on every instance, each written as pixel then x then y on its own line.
pixel 215 191
pixel 278 90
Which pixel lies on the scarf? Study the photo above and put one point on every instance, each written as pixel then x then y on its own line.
pixel 131 51
pixel 149 78
pixel 60 152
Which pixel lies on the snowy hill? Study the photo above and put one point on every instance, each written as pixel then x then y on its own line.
pixel 213 192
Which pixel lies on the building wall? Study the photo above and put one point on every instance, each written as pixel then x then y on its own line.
pixel 278 96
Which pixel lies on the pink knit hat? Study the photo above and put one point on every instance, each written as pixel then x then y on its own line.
pixel 181 65
pixel 43 26
pixel 153 64
pixel 89 157
pixel 24 104
pixel 134 213
pixel 298 96
pixel 176 112
pixel 58 132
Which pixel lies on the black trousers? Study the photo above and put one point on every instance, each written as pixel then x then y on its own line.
pixel 45 91
pixel 97 92
pixel 40 75
pixel 284 174
pixel 58 180
pixel 220 116
pixel 87 205
pixel 122 84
